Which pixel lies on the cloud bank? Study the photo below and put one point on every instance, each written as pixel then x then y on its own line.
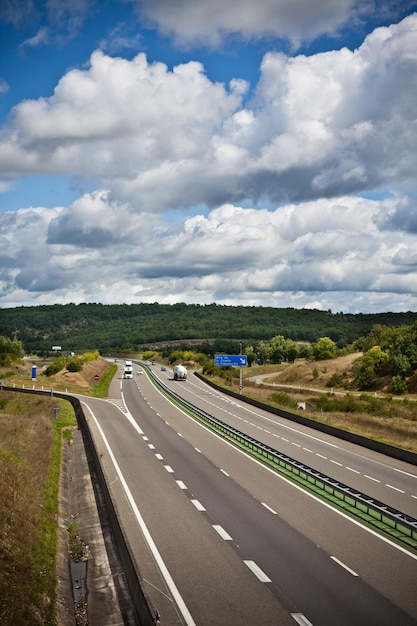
pixel 300 192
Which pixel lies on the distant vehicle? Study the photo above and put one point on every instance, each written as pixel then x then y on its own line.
pixel 128 371
pixel 180 372
pixel 163 368
pixel 140 371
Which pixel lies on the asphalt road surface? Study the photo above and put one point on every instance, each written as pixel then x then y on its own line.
pixel 220 539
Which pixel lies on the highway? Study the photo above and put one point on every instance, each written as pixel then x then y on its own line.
pixel 388 480
pixel 232 542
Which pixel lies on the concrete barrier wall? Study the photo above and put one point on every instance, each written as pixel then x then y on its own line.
pixel 147 615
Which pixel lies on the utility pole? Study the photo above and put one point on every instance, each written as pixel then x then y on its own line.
pixel 240 370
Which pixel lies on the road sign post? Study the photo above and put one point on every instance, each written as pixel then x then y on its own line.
pixel 232 360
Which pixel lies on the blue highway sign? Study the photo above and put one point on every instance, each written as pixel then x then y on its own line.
pixel 236 360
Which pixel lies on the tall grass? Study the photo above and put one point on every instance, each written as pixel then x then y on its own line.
pixel 30 458
pixel 101 387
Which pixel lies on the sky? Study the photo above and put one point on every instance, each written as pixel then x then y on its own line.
pixel 232 152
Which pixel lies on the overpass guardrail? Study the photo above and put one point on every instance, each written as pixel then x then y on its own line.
pixel 399 527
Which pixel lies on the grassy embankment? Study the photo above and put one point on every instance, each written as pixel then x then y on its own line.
pixel 378 416
pixel 31 440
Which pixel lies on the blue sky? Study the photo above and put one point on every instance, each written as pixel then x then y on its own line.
pixel 229 152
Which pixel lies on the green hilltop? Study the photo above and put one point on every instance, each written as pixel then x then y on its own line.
pixel 130 327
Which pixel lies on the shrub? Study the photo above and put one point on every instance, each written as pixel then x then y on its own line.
pixel 342 404
pixel 54 368
pixel 335 380
pixel 366 378
pixel 283 399
pixel 75 365
pixel 398 385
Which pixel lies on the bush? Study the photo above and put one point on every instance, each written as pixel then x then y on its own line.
pixel 75 365
pixel 335 380
pixel 366 378
pixel 398 385
pixel 342 404
pixel 283 399
pixel 54 368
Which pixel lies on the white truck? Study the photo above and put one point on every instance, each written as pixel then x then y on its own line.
pixel 128 371
pixel 180 372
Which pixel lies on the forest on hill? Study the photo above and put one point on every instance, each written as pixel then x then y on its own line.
pixel 131 327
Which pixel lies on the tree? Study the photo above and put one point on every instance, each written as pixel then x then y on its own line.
pixel 277 349
pixel 377 337
pixel 325 348
pixel 366 377
pixel 305 350
pixel 291 350
pixel 399 365
pixel 264 351
pixel 10 351
pixel 250 356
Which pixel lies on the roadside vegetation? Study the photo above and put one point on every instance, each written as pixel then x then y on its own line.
pixel 30 457
pixel 87 374
pixel 32 432
pixel 326 383
pixel 309 389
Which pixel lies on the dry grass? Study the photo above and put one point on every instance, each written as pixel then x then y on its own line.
pixel 382 418
pixel 314 374
pixel 30 451
pixel 26 436
pixel 75 382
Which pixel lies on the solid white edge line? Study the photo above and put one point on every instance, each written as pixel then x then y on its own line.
pixel 152 546
pixel 129 416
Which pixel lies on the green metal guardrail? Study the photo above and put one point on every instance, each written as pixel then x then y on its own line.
pixel 397 526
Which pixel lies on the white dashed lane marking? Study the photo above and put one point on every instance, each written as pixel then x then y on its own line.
pixel 223 534
pixel 255 569
pixel 198 505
